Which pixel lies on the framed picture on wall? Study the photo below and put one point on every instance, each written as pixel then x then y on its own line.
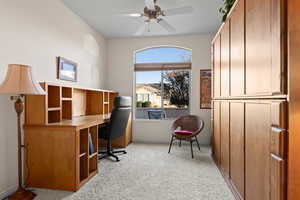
pixel 66 69
pixel 205 89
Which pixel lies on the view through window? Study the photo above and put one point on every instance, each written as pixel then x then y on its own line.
pixel 162 83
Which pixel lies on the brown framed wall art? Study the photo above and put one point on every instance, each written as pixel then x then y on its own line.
pixel 205 89
pixel 66 69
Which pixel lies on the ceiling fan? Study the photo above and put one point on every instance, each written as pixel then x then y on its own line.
pixel 153 12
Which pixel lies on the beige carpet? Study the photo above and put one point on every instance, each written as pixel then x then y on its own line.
pixel 148 172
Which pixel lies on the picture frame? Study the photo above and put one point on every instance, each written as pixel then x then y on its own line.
pixel 66 69
pixel 205 89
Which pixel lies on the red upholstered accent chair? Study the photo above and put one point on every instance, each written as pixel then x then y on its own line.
pixel 186 128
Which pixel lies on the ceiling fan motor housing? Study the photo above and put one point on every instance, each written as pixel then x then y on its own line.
pixel 153 14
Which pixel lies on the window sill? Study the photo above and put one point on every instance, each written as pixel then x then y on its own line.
pixel 153 120
pixel 145 108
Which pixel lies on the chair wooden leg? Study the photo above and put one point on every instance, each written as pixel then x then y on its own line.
pixel 192 148
pixel 180 143
pixel 198 143
pixel 171 144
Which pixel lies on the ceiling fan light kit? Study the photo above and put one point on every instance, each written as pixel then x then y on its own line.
pixel 153 12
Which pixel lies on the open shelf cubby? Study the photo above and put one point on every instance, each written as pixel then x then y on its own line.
pixel 54 96
pixel 67 110
pixel 54 115
pixel 83 154
pixel 84 141
pixel 94 102
pixel 93 163
pixel 94 135
pixel 84 168
pixel 112 97
pixel 67 93
pixel 106 98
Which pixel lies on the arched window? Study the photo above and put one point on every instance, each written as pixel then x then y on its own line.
pixel 163 55
pixel 162 82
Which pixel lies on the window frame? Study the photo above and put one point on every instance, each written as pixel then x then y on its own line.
pixel 162 94
pixel 162 85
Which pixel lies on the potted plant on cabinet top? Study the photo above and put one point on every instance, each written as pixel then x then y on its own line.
pixel 226 8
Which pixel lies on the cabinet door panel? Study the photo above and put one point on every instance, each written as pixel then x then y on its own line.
pixel 225 60
pixel 212 51
pixel 237 144
pixel 237 49
pixel 257 150
pixel 216 135
pixel 225 139
pixel 278 178
pixel 279 135
pixel 217 67
pixel 279 111
pixel 278 30
pixel 258 47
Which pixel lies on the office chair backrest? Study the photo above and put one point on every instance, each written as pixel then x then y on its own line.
pixel 156 114
pixel 119 117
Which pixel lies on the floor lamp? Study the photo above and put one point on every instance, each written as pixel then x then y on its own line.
pixel 19 82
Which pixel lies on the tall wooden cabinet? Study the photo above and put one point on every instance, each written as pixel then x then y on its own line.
pixel 251 100
pixel 294 100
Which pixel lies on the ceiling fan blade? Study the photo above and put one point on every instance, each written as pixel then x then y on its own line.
pixel 136 15
pixel 166 26
pixel 150 4
pixel 178 11
pixel 141 30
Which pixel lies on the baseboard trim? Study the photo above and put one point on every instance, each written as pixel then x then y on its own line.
pixel 8 192
pixel 164 143
pixel 230 185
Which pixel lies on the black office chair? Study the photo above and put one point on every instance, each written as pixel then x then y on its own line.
pixel 116 127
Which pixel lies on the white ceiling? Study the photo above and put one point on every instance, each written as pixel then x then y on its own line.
pixel 106 16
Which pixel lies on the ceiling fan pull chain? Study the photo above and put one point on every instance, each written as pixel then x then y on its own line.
pixel 148 27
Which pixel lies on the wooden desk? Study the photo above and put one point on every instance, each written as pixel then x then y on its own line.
pixel 57 128
pixel 58 154
pixel 81 121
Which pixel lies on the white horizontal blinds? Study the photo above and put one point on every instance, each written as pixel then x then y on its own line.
pixel 162 66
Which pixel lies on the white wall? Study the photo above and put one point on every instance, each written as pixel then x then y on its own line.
pixel 120 77
pixel 34 32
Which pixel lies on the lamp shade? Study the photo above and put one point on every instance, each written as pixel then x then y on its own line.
pixel 19 80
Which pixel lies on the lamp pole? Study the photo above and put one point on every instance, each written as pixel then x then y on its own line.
pixel 19 107
pixel 19 81
pixel 21 193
